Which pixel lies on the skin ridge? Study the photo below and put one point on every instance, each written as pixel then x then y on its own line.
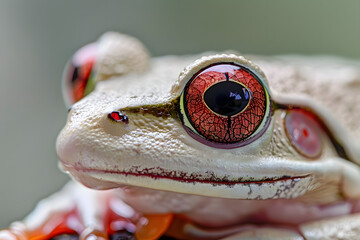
pixel 164 110
pixel 96 139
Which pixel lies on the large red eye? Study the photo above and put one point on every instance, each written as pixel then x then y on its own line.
pixel 77 81
pixel 224 105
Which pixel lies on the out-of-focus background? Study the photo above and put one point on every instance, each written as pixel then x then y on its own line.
pixel 37 37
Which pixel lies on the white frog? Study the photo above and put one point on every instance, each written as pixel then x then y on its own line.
pixel 211 146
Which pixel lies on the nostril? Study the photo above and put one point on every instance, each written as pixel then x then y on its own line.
pixel 118 117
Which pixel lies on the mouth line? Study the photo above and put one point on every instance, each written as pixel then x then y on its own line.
pixel 158 173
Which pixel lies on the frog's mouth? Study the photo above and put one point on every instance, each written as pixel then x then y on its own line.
pixel 287 215
pixel 272 216
pixel 205 184
pixel 158 173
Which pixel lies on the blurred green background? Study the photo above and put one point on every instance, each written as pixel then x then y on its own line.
pixel 37 37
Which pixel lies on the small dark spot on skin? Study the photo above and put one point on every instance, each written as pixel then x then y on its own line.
pixel 250 192
pixel 278 193
pixel 69 109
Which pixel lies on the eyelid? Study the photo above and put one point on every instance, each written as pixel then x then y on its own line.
pixel 206 61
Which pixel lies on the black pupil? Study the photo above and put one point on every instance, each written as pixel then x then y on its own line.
pixel 75 74
pixel 227 98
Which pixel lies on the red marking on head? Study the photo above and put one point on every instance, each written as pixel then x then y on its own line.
pixel 115 116
pixel 118 117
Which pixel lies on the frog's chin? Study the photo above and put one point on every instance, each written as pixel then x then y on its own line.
pixel 239 211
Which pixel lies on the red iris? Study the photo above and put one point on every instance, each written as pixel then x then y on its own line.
pixel 225 128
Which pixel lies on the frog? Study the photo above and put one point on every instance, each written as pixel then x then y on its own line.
pixel 204 146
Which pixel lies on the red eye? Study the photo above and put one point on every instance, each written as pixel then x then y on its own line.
pixel 304 133
pixel 225 104
pixel 77 76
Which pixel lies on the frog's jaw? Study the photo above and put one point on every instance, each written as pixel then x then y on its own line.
pixel 328 182
pixel 200 209
pixel 235 215
pixel 288 187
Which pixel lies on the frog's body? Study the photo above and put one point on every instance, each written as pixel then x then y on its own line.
pixel 213 192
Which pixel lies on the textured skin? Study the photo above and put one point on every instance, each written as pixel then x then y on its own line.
pixel 103 145
pixel 113 58
pixel 331 83
pixel 329 229
pixel 266 234
pixel 159 168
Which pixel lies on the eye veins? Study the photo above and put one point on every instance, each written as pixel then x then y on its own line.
pixel 224 103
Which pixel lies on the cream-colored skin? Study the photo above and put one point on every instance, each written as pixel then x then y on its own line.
pixel 103 154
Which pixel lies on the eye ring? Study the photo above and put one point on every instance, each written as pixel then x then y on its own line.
pixel 240 127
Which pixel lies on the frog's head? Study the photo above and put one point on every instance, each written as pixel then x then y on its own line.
pixel 217 128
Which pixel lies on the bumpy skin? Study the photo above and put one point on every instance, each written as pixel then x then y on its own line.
pixel 249 192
